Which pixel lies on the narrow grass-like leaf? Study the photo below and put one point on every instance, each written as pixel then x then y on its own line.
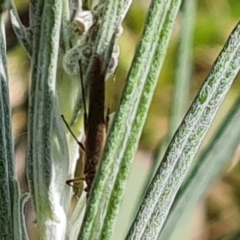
pixel 113 15
pixel 6 161
pixel 6 107
pixel 46 163
pixel 186 142
pixel 24 199
pixel 208 166
pixel 17 214
pixel 65 24
pixel 182 79
pixel 10 195
pixel 21 32
pixel 184 65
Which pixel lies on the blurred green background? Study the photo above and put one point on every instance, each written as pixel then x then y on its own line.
pixel 219 211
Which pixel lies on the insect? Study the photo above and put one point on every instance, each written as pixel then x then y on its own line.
pixel 95 124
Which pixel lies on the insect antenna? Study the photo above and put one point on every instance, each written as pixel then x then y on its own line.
pixel 69 129
pixel 84 109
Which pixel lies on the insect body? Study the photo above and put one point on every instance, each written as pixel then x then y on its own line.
pixel 94 125
pixel 95 122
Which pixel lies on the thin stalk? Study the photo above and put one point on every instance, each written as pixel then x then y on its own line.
pixel 6 160
pixel 184 65
pixel 208 166
pixel 9 187
pixel 46 159
pixel 182 78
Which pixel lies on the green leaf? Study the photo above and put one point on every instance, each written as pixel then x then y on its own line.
pixel 184 65
pixel 9 188
pixel 21 32
pixel 208 166
pixel 6 164
pixel 47 156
